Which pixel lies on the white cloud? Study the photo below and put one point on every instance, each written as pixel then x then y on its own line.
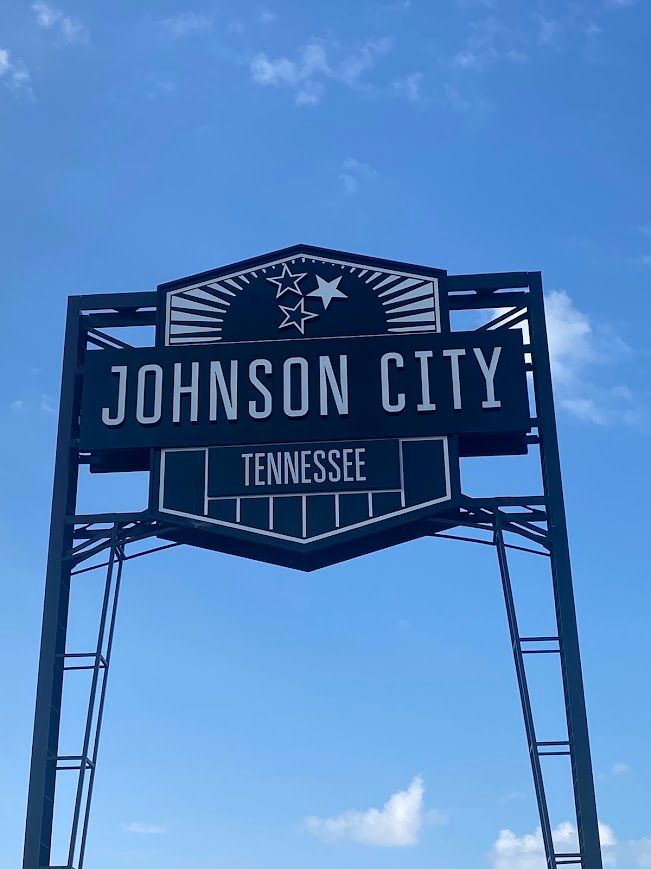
pixel 17 404
pixel 398 823
pixel 577 353
pixel 570 335
pixel 355 172
pixel 620 768
pixel 47 405
pixel 527 852
pixel 178 26
pixel 266 16
pixel 313 69
pixel 51 18
pixel 144 829
pixel 409 86
pixel 13 75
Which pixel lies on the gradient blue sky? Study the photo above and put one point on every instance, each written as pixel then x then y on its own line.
pixel 144 141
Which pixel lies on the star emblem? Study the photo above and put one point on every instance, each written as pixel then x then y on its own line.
pixel 296 316
pixel 287 282
pixel 328 290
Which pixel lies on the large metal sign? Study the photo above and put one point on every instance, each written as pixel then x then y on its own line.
pixel 302 408
pixel 298 405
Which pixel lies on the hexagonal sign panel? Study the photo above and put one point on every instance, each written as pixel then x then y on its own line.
pixel 305 406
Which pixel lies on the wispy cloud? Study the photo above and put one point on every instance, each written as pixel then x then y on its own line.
pixel 354 173
pixel 489 41
pixel 51 18
pixel 13 75
pixel 308 75
pixel 620 768
pixel 576 351
pixel 409 86
pixel 46 405
pixel 472 107
pixel 527 852
pixel 399 823
pixel 266 16
pixel 144 829
pixel 185 24
pixel 579 353
pixel 549 29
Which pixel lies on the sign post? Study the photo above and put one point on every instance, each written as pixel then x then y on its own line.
pixel 302 408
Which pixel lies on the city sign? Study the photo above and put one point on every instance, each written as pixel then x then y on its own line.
pixel 304 407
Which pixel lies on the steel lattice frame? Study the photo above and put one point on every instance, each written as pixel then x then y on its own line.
pixel 79 544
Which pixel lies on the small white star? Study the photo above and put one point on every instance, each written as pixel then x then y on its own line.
pixel 287 282
pixel 296 316
pixel 328 290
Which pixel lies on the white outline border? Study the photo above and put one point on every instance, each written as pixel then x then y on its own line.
pixel 305 540
pixel 357 265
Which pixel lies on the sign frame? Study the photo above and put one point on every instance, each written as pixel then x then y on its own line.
pixel 79 543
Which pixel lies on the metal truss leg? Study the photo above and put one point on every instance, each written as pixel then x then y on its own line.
pixel 575 709
pixel 576 742
pixel 97 661
pixel 525 699
pixel 40 798
pixel 95 713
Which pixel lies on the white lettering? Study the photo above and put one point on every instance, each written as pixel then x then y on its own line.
pixel 305 466
pixel 154 417
pixel 454 355
pixel 320 475
pixel 348 463
pixel 302 409
pixel 291 467
pixel 359 464
pixel 258 468
pixel 247 472
pixel 335 474
pixel 426 401
pixel 274 468
pixel 218 386
pixel 489 375
pixel 339 390
pixel 265 412
pixel 399 404
pixel 120 413
pixel 179 391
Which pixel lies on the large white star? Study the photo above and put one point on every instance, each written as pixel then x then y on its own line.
pixel 287 282
pixel 296 316
pixel 328 290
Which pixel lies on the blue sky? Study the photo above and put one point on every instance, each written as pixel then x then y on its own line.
pixel 256 715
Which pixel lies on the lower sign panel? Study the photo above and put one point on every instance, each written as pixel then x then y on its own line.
pixel 309 499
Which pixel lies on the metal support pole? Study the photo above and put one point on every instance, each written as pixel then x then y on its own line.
pixel 577 720
pixel 40 799
pixel 525 698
